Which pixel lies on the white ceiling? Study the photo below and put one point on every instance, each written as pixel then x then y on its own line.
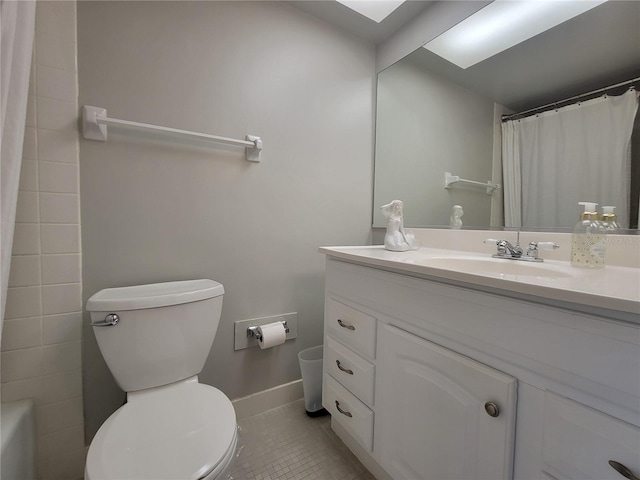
pixel 596 49
pixel 361 26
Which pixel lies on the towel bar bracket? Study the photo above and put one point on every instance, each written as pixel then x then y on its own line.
pixel 253 153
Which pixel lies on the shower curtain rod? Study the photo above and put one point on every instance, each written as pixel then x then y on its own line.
pixel 526 113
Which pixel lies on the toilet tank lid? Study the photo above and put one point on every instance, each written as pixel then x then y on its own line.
pixel 154 295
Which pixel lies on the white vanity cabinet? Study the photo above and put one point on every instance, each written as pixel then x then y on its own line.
pixel 431 364
pixel 578 442
pixel 348 369
pixel 439 414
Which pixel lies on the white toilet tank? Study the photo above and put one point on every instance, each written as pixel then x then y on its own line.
pixel 164 331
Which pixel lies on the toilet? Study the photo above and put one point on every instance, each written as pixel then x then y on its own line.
pixel 155 340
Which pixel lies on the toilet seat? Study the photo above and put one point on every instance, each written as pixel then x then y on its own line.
pixel 185 430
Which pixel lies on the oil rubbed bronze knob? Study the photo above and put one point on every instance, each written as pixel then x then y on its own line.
pixel 491 409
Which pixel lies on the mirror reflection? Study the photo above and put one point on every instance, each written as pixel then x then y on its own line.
pixel 434 117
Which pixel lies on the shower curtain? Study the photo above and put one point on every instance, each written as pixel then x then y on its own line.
pixel 555 159
pixel 511 176
pixel 17 23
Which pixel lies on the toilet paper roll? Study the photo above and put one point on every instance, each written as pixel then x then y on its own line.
pixel 271 334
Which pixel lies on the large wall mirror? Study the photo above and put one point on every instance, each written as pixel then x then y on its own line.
pixel 434 117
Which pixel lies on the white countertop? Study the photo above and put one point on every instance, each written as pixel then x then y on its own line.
pixel 613 288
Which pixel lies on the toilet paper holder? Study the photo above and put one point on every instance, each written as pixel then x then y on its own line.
pixel 245 338
pixel 253 331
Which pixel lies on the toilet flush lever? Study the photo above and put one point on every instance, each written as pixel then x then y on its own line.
pixel 109 321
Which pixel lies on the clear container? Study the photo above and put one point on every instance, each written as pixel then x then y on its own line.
pixel 609 219
pixel 588 241
pixel 311 369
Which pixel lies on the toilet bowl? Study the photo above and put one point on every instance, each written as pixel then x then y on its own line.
pixel 172 426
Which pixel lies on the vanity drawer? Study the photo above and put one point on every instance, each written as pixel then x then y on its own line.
pixel 350 369
pixel 578 442
pixel 353 328
pixel 348 411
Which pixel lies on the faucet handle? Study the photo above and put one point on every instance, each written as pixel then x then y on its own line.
pixel 547 246
pixel 502 247
pixel 534 247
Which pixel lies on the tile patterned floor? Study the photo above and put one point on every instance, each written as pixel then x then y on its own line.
pixel 286 444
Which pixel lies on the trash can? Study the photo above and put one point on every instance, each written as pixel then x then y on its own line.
pixel 311 369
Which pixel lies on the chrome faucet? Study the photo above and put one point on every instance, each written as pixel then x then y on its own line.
pixel 506 250
pixel 514 252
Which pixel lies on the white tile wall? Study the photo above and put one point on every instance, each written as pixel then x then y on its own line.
pixel 61 328
pixel 59 238
pixel 23 302
pixel 56 83
pixel 27 210
pixel 60 269
pixel 25 271
pixel 58 177
pixel 59 208
pixel 41 340
pixel 26 238
pixel 55 114
pixel 58 145
pixel 29 175
pixel 22 333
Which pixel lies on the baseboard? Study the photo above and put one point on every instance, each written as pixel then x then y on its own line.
pixel 267 399
pixel 361 454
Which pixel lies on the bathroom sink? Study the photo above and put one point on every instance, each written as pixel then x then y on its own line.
pixel 496 266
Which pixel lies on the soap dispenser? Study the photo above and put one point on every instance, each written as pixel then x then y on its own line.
pixel 609 219
pixel 588 241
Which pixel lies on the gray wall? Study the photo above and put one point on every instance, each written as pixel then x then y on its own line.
pixel 155 211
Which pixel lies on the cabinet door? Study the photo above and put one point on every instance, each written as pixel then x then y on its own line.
pixel 431 412
pixel 578 442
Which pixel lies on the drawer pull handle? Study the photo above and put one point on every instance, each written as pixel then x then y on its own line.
pixel 344 325
pixel 344 412
pixel 345 370
pixel 621 469
pixel 491 409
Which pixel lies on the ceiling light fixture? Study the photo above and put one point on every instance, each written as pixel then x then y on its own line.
pixel 376 10
pixel 501 25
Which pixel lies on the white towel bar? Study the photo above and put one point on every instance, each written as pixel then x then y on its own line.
pixel 449 179
pixel 95 121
